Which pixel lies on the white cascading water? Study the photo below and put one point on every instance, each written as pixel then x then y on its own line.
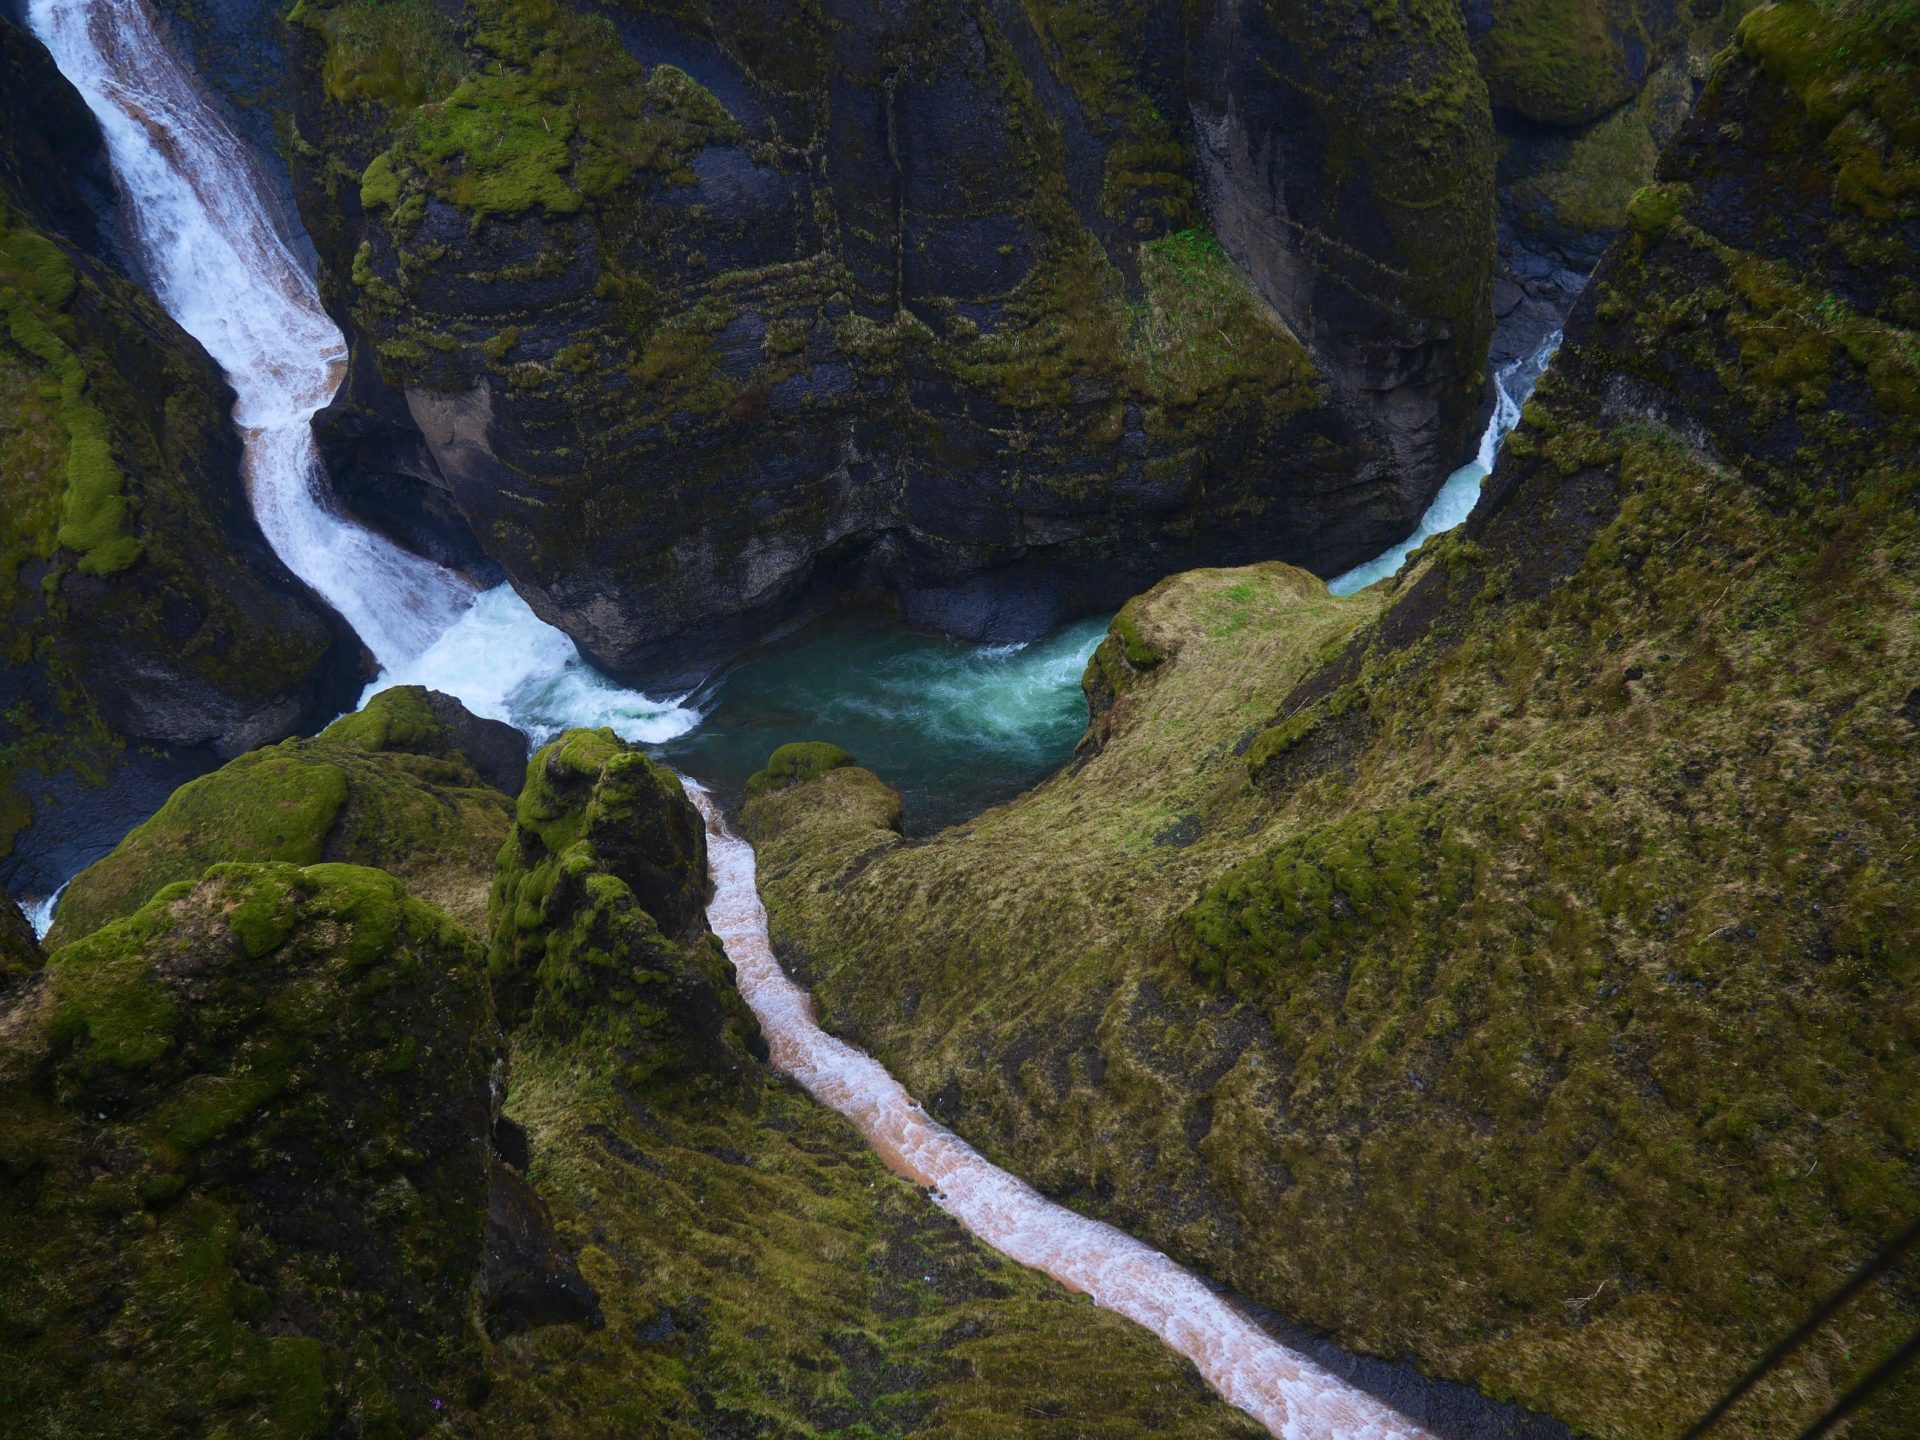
pixel 1512 384
pixel 1282 1389
pixel 223 270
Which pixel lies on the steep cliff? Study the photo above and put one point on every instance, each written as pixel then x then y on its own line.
pixel 695 316
pixel 141 607
pixel 1509 967
pixel 286 1150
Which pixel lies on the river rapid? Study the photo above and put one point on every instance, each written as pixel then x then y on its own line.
pixel 222 267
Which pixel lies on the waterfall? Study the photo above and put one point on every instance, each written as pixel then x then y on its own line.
pixel 1512 384
pixel 224 271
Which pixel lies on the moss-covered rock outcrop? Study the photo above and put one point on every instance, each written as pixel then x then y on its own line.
pixel 394 786
pixel 140 605
pixel 244 1161
pixel 1550 932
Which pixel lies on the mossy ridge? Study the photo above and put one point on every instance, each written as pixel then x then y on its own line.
pixel 380 788
pixel 210 1126
pixel 36 285
pixel 1497 958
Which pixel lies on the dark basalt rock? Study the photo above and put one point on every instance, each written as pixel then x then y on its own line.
pixel 20 955
pixel 864 315
pixel 527 1279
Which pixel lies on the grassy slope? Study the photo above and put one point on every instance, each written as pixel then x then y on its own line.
pixel 1560 1029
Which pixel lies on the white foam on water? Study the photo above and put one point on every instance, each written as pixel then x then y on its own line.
pixel 1281 1388
pixel 223 270
pixel 40 913
pixel 1512 384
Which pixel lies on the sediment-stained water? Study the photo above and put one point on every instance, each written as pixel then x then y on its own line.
pixel 1285 1391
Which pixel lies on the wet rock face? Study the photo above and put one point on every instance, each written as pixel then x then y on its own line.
pixel 141 604
pixel 743 313
pixel 1347 161
pixel 20 953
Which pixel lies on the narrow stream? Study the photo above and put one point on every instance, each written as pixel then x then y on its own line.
pixel 1282 1389
pixel 224 271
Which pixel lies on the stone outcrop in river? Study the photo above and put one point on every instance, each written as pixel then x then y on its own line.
pixel 1543 917
pixel 149 631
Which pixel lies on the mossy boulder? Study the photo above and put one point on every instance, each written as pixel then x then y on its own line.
pixel 245 1152
pixel 796 764
pixel 598 918
pixel 1548 927
pixel 392 786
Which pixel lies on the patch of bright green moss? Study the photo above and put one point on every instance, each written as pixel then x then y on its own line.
pixel 1201 330
pixel 383 786
pixel 796 764
pixel 36 283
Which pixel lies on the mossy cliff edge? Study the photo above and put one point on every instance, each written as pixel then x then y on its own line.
pixel 286 1150
pixel 1509 968
pixel 147 629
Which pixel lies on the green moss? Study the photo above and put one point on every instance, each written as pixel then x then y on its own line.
pixel 796 764
pixel 400 53
pixel 551 113
pixel 1586 191
pixel 36 284
pixel 102 991
pixel 379 186
pixel 1201 331
pixel 1653 209
pixel 385 786
pixel 1565 62
pixel 211 1140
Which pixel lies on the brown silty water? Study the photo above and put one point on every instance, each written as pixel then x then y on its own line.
pixel 1283 1389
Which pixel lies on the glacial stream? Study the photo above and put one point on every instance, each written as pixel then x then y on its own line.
pixel 1003 715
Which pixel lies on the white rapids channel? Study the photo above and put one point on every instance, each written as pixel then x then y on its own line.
pixel 1512 384
pixel 1281 1388
pixel 222 267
